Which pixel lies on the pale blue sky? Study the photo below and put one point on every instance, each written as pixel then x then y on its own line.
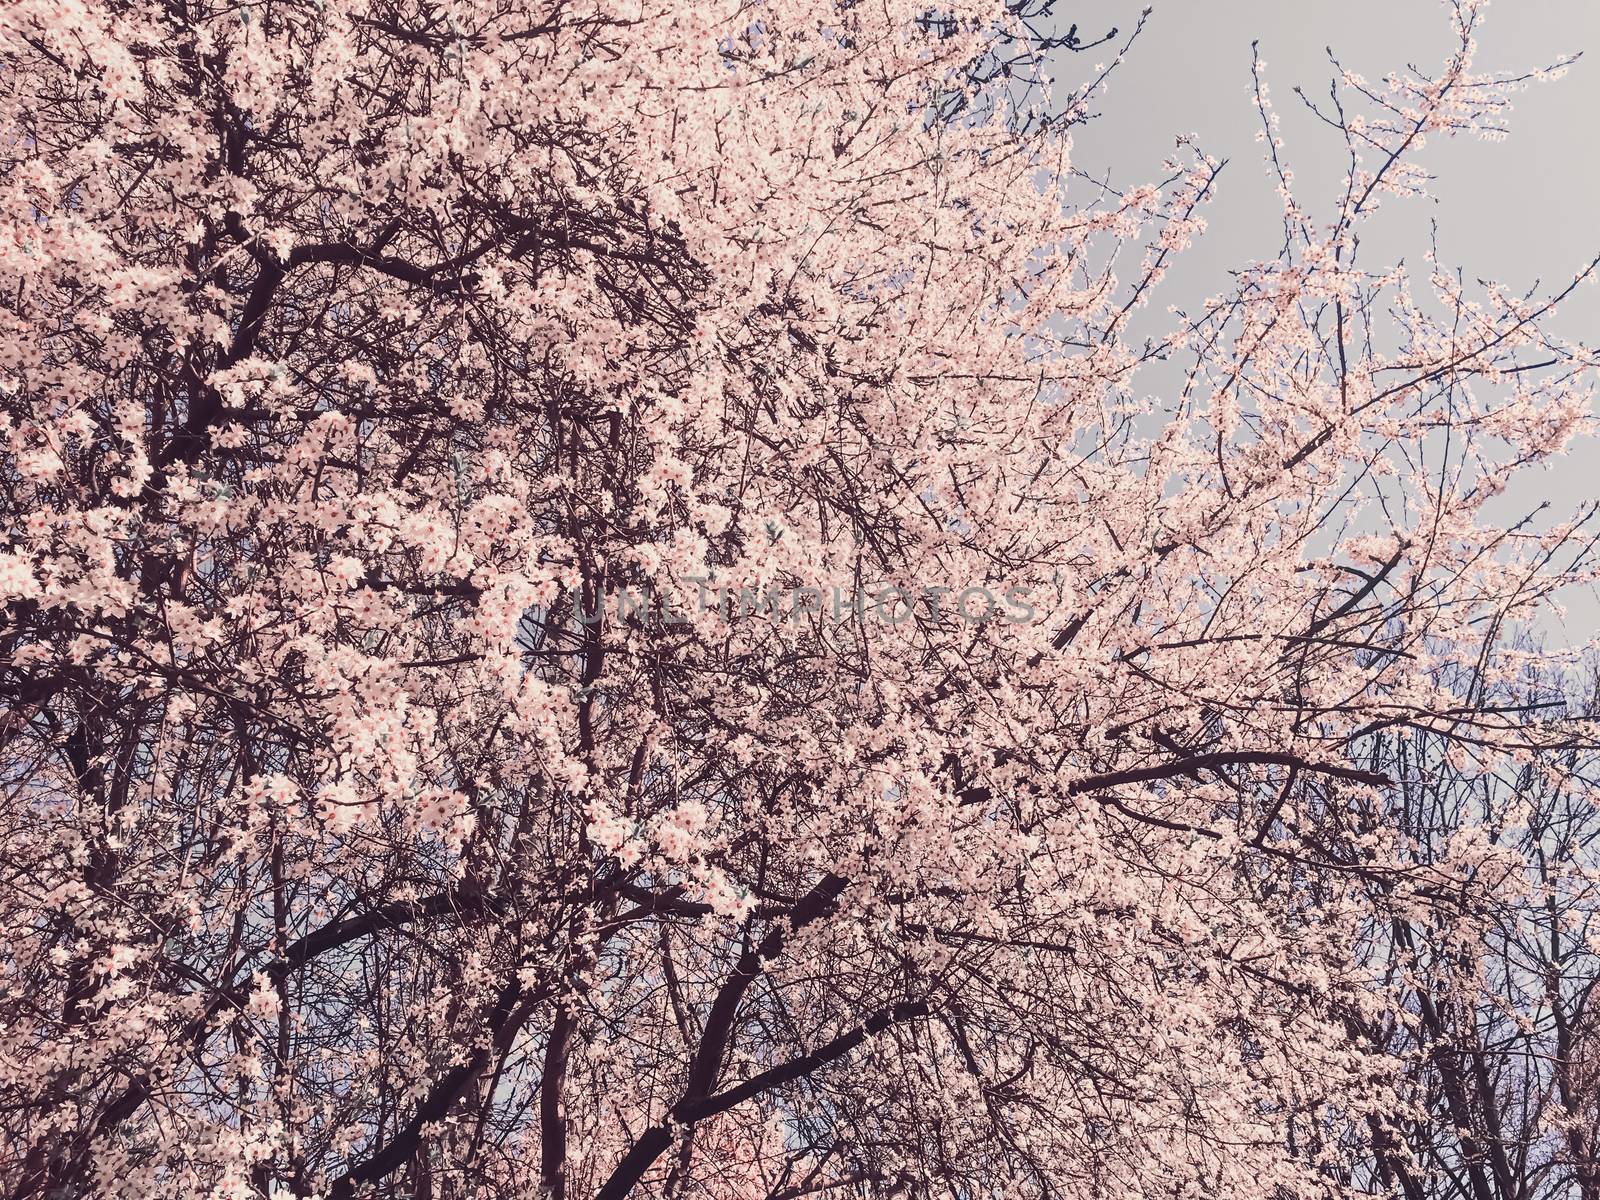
pixel 1519 211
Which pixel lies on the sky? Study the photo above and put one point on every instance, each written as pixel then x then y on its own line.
pixel 1517 210
pixel 1522 211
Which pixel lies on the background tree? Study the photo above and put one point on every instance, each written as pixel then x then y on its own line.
pixel 363 363
pixel 1495 1000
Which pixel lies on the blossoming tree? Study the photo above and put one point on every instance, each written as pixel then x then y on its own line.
pixel 363 833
